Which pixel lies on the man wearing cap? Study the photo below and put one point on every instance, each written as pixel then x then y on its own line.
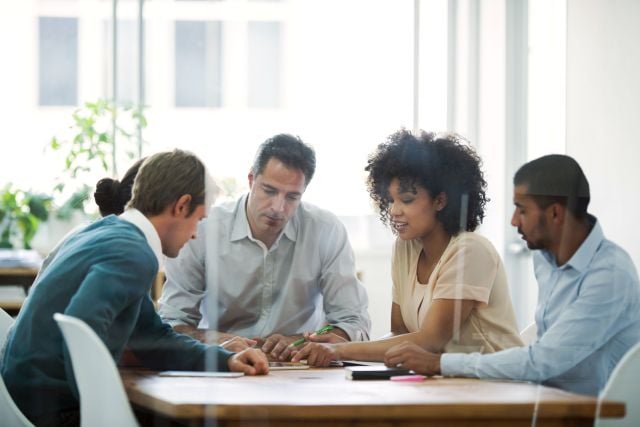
pixel 588 312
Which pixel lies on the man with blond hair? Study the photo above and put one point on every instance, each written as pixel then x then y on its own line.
pixel 103 275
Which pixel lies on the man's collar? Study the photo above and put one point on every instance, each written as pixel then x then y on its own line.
pixel 291 229
pixel 240 228
pixel 135 217
pixel 582 257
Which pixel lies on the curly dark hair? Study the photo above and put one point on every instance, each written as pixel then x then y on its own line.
pixel 439 163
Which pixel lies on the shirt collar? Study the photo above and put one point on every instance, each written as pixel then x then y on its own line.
pixel 135 217
pixel 242 230
pixel 585 253
pixel 587 250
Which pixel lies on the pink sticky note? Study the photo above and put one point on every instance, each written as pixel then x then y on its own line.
pixel 410 378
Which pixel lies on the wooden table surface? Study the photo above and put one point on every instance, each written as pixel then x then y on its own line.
pixel 321 397
pixel 16 276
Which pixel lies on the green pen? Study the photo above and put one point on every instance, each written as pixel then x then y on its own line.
pixel 320 331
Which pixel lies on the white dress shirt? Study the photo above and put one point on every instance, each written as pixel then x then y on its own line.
pixel 229 281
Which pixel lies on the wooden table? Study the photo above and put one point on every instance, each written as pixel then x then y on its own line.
pixel 322 397
pixel 25 277
pixel 16 276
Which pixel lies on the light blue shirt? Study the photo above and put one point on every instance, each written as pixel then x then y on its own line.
pixel 306 279
pixel 588 316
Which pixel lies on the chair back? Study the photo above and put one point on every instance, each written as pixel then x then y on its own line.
pixel 11 414
pixel 623 386
pixel 6 321
pixel 103 401
pixel 529 334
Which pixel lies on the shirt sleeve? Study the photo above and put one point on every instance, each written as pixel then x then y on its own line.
pixel 185 287
pixel 468 272
pixel 345 299
pixel 111 285
pixel 585 326
pixel 159 347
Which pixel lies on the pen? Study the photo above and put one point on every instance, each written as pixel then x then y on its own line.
pixel 320 331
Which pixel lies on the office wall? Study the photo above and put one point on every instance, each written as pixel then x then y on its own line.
pixel 603 110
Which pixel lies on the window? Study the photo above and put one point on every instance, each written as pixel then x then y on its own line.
pixel 127 60
pixel 198 75
pixel 264 64
pixel 58 61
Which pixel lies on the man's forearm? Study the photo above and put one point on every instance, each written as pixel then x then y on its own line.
pixel 207 336
pixel 341 333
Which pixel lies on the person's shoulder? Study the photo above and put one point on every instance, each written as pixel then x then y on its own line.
pixel 226 209
pixel 310 215
pixel 612 256
pixel 406 249
pixel 111 228
pixel 609 248
pixel 114 241
pixel 474 242
pixel 120 235
pixel 221 216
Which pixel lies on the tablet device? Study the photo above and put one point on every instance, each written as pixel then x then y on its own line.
pixel 200 374
pixel 278 366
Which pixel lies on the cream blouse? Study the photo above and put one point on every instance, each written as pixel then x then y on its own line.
pixel 469 269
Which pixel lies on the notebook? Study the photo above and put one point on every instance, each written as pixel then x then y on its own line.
pixel 200 374
pixel 278 366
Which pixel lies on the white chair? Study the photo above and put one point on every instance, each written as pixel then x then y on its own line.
pixel 11 414
pixel 623 386
pixel 529 334
pixel 103 401
pixel 6 322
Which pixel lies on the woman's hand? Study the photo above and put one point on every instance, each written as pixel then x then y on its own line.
pixel 329 338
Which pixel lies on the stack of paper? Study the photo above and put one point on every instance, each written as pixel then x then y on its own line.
pixel 20 258
pixel 12 294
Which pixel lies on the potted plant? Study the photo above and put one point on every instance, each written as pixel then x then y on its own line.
pixel 20 215
pixel 86 151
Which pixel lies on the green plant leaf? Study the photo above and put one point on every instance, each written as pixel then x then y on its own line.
pixel 39 205
pixel 21 215
pixel 90 148
pixel 76 201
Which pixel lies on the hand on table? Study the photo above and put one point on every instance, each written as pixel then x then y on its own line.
pixel 277 346
pixel 316 354
pixel 412 356
pixel 251 361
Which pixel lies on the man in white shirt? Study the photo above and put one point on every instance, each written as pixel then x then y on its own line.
pixel 268 267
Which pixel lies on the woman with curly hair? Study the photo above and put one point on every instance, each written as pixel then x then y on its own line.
pixel 450 291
